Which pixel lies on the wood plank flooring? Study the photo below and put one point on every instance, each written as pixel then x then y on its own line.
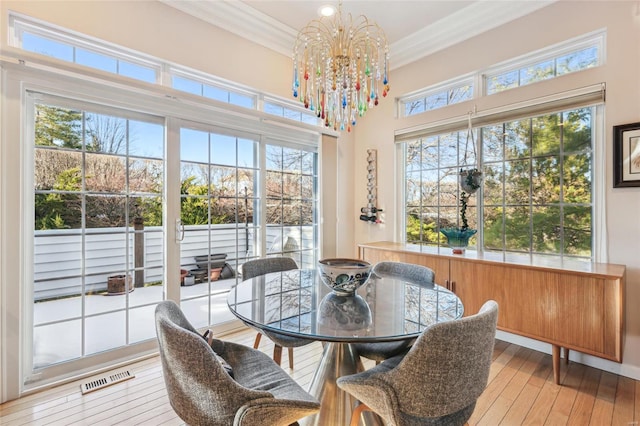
pixel 520 392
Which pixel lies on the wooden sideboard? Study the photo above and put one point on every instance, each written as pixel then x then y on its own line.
pixel 576 306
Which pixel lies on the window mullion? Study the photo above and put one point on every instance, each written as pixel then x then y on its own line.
pixel 530 201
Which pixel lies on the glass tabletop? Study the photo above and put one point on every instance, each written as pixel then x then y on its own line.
pixel 297 303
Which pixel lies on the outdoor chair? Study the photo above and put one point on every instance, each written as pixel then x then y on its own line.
pixel 415 274
pixel 202 392
pixel 438 381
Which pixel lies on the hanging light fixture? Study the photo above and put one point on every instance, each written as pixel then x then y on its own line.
pixel 340 68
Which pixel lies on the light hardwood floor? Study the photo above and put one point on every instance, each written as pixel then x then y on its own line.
pixel 520 392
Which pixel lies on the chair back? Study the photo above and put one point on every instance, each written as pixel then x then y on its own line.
pixel 415 274
pixel 452 361
pixel 199 389
pixel 255 267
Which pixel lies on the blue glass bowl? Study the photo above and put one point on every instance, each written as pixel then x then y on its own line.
pixel 457 238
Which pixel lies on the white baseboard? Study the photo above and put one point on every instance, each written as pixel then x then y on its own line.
pixel 631 371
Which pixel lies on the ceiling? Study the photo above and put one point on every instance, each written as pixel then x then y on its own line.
pixel 414 28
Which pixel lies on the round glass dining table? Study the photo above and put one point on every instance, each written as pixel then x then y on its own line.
pixel 296 303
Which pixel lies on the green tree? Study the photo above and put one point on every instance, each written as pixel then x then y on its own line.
pixel 547 185
pixel 56 126
pixel 60 209
pixel 419 231
pixel 147 208
pixel 194 208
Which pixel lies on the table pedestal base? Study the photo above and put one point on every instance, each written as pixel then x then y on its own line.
pixel 338 359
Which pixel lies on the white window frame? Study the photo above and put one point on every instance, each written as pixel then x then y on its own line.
pixel 422 94
pixel 20 24
pixel 576 94
pixel 209 80
pixel 164 70
pixel 594 39
pixel 598 238
pixel 286 105
pixel 478 80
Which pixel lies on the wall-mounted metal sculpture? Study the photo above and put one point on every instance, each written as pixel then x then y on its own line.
pixel 370 212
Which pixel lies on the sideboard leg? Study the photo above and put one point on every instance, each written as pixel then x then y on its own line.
pixel 566 356
pixel 555 356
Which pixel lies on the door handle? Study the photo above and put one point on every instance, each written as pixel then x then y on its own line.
pixel 179 230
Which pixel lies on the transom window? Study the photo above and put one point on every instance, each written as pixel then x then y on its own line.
pixel 64 46
pixel 40 38
pixel 572 56
pixel 209 89
pixel 578 54
pixel 437 97
pixel 283 109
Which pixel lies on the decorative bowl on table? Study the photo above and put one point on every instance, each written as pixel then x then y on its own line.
pixel 344 276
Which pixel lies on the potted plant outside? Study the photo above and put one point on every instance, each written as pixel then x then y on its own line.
pixel 119 284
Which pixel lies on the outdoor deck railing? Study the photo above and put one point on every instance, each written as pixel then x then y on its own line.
pixel 61 270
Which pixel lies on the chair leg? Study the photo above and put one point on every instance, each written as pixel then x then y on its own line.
pixel 277 354
pixel 257 341
pixel 355 416
pixel 290 358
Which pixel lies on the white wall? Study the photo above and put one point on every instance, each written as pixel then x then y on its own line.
pixel 553 24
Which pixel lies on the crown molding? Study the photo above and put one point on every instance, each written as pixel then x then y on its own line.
pixel 481 16
pixel 242 20
pixel 464 24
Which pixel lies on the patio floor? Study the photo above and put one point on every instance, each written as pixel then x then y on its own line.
pixel 58 335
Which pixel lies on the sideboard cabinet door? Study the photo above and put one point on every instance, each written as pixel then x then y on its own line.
pixel 570 310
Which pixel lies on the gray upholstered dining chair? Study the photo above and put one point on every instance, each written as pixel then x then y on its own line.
pixel 415 274
pixel 438 381
pixel 255 267
pixel 202 392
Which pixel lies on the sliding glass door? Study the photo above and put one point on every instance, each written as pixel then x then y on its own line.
pixel 232 183
pixel 219 187
pixel 103 192
pixel 291 204
pixel 98 232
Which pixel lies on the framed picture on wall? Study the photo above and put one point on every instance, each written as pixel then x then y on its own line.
pixel 626 155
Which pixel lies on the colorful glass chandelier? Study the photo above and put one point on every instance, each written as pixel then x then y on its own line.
pixel 340 69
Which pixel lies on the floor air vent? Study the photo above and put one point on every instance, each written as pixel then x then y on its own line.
pixel 105 381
